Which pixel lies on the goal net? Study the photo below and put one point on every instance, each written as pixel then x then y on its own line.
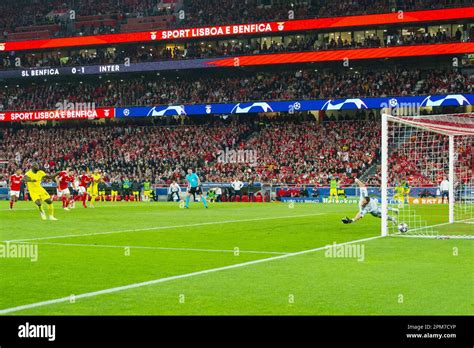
pixel 427 176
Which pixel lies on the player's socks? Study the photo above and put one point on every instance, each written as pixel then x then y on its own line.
pixel 11 204
pixel 84 199
pixel 66 204
pixel 42 213
pixel 203 200
pixel 187 202
pixel 51 211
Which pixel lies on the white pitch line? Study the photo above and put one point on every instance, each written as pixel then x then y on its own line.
pixel 466 221
pixel 163 248
pixel 181 276
pixel 163 227
pixel 57 206
pixel 434 236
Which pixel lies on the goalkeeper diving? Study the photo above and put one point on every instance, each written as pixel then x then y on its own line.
pixel 368 205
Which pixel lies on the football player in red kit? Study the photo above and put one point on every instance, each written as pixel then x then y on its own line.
pixel 63 179
pixel 84 180
pixel 15 187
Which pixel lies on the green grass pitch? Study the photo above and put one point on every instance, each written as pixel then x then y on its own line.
pixel 231 259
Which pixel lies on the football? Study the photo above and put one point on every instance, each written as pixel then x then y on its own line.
pixel 403 227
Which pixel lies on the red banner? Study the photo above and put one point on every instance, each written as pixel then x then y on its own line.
pixel 245 29
pixel 353 54
pixel 49 115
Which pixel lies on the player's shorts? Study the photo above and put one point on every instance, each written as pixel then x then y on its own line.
pixel 39 194
pixel 333 192
pixel 199 190
pixel 64 192
pixel 147 193
pixel 444 194
pixel 93 190
pixel 135 193
pixel 114 193
pixel 81 190
pixel 15 194
pixel 194 190
pixel 101 193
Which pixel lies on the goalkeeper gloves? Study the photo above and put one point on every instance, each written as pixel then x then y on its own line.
pixel 346 220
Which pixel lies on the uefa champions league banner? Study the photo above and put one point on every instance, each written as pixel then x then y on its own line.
pixel 413 104
pixel 402 102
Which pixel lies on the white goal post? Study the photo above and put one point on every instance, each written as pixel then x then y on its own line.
pixel 431 156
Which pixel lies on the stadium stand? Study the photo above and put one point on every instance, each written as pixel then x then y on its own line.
pixel 291 84
pixel 194 50
pixel 163 153
pixel 112 16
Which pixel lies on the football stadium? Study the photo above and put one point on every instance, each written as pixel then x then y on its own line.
pixel 236 158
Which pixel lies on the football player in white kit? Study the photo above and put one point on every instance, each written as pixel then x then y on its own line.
pixel 368 205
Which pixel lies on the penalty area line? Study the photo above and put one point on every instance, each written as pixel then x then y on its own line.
pixel 164 248
pixel 176 277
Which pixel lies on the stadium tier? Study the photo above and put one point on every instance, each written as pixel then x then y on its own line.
pixel 226 48
pixel 162 154
pixel 251 86
pixel 41 19
pixel 287 152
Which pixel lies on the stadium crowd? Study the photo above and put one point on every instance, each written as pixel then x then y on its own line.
pixel 266 150
pixel 15 16
pixel 285 152
pixel 208 12
pixel 300 84
pixel 421 159
pixel 307 153
pixel 158 153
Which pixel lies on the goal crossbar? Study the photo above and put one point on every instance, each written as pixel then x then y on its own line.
pixel 454 124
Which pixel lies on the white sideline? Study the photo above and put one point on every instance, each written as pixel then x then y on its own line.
pixel 164 248
pixel 167 279
pixel 162 227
